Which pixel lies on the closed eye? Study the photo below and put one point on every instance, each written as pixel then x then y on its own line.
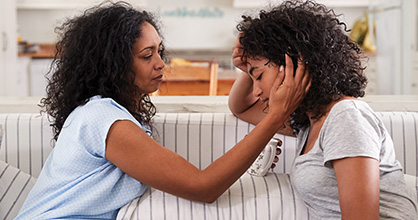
pixel 259 76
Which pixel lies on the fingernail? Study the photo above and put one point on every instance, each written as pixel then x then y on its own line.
pixel 281 68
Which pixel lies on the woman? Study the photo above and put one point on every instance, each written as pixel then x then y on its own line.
pixel 108 60
pixel 345 167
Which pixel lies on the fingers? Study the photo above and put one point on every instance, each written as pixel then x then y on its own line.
pixel 278 151
pixel 278 81
pixel 279 142
pixel 237 43
pixel 237 51
pixel 289 64
pixel 301 75
pixel 301 69
pixel 289 74
pixel 307 80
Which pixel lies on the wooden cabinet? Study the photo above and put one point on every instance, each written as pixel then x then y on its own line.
pixel 8 48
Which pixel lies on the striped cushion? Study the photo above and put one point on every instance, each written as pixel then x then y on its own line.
pixel 200 138
pixel 269 197
pixel 403 128
pixel 27 141
pixel 14 187
pixel 1 134
pixel 203 137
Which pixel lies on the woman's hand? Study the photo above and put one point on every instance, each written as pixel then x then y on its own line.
pixel 237 59
pixel 286 95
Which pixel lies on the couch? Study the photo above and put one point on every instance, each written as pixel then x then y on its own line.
pixel 26 140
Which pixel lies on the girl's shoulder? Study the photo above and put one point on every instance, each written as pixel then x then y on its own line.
pixel 351 104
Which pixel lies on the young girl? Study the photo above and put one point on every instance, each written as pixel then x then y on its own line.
pixel 109 59
pixel 346 166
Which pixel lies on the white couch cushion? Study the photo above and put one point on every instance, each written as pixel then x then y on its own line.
pixel 1 134
pixel 269 197
pixel 27 141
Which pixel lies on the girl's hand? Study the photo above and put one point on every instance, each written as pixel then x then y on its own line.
pixel 286 95
pixel 237 59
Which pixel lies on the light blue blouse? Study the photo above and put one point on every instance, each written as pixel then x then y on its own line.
pixel 77 181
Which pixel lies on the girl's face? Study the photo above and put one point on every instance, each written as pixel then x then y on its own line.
pixel 263 75
pixel 147 63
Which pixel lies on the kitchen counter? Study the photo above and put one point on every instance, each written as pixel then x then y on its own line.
pixel 43 51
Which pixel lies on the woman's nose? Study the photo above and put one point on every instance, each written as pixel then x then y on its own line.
pixel 160 63
pixel 256 90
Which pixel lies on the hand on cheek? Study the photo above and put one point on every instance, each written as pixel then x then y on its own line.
pixel 287 94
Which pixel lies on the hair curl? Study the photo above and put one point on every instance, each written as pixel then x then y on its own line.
pixel 94 57
pixel 309 30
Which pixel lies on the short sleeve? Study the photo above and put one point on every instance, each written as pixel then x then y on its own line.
pixel 350 133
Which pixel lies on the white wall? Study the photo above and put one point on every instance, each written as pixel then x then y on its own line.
pixel 187 24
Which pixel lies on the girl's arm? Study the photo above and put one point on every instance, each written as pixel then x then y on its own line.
pixel 358 187
pixel 138 155
pixel 242 102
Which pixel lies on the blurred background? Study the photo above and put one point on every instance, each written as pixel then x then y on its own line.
pixel 202 32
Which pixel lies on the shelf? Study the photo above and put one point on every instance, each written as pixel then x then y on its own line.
pixel 65 4
pixel 328 3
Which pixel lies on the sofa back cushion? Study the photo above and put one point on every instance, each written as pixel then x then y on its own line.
pixel 199 137
pixel 403 128
pixel 27 141
pixel 1 134
pixel 203 137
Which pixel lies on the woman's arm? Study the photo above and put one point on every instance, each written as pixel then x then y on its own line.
pixel 358 187
pixel 241 101
pixel 138 155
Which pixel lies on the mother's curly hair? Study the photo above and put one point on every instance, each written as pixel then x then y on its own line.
pixel 309 30
pixel 94 57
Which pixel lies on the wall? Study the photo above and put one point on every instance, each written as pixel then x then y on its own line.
pixel 187 24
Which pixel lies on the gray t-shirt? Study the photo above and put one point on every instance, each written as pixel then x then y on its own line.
pixel 350 130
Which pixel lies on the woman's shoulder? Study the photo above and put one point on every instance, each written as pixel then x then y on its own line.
pixel 99 109
pixel 102 106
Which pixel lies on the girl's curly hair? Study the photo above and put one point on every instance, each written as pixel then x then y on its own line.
pixel 94 57
pixel 309 30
